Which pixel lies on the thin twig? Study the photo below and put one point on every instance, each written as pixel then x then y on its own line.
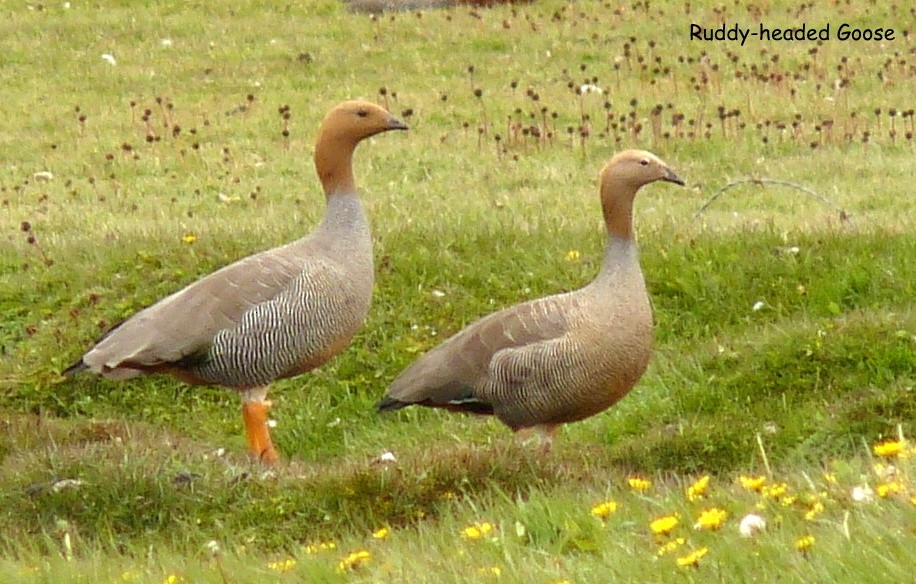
pixel 763 455
pixel 771 181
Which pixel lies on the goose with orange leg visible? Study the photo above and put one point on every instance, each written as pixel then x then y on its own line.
pixel 273 315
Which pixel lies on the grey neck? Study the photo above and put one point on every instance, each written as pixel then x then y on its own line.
pixel 344 218
pixel 621 258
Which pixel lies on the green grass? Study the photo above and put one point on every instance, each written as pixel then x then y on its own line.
pixel 823 369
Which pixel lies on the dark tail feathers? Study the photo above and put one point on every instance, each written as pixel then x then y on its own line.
pixel 389 404
pixel 75 368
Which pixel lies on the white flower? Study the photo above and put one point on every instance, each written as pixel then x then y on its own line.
pixel 271 423
pixel 590 88
pixel 109 58
pixel 166 42
pixel 751 524
pixel 863 494
pixel 387 456
pixel 758 305
pixel 212 547
pixel 65 484
pixel 438 293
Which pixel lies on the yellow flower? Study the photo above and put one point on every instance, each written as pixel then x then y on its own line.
pixel 787 501
pixel 477 530
pixel 380 533
pixel 640 485
pixel 663 525
pixel 752 483
pixel 886 489
pixel 889 448
pixel 494 570
pixel 189 238
pixel 710 519
pixel 775 490
pixel 816 509
pixel 693 558
pixel 830 478
pixel 314 548
pixel 604 510
pixel 354 560
pixel 282 566
pixel 913 499
pixel 698 488
pixel 173 579
pixel 669 547
pixel 802 544
pixel 572 255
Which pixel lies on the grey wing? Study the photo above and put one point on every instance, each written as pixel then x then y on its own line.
pixel 186 322
pixel 455 374
pixel 299 329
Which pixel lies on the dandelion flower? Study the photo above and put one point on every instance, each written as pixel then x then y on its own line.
pixel 693 558
pixel 663 525
pixel 477 531
pixel 830 478
pixel 710 519
pixel 380 533
pixel 173 579
pixel 640 485
pixel 573 255
pixel 698 489
pixel 751 525
pixel 775 490
pixel 492 570
pixel 282 566
pixel 816 509
pixel 189 238
pixel 322 546
pixel 670 546
pixel 354 560
pixel 889 448
pixel 604 510
pixel 752 483
pixel 886 489
pixel 803 544
pixel 788 500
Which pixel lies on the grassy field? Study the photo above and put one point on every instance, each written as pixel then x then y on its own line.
pixel 143 147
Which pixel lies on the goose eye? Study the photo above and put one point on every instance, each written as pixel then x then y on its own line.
pixel 644 162
pixel 362 113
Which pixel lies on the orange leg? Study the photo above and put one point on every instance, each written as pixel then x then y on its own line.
pixel 254 410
